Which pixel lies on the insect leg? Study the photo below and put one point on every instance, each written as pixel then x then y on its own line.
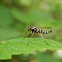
pixel 43 39
pixel 26 36
pixel 31 37
pixel 42 36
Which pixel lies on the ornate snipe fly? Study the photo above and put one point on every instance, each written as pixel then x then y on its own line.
pixel 36 30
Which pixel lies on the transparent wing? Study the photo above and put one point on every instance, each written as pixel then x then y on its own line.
pixel 44 28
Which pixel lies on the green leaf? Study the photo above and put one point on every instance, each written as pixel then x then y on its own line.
pixel 36 17
pixel 27 45
pixel 20 15
pixel 44 19
pixel 5 17
pixel 8 33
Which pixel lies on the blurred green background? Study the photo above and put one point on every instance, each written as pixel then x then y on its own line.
pixel 17 15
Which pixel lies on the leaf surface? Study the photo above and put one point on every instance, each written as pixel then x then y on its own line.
pixel 27 45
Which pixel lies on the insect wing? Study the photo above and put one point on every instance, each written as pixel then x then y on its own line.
pixel 44 28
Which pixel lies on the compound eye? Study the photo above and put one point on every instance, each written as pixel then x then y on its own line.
pixel 35 28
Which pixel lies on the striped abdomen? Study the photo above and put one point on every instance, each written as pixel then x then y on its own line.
pixel 45 32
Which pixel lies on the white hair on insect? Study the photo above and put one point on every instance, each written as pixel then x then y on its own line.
pixel 33 27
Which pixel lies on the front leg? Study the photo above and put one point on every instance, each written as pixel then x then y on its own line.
pixel 32 34
pixel 27 34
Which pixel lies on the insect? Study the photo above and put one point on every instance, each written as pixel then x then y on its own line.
pixel 37 30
